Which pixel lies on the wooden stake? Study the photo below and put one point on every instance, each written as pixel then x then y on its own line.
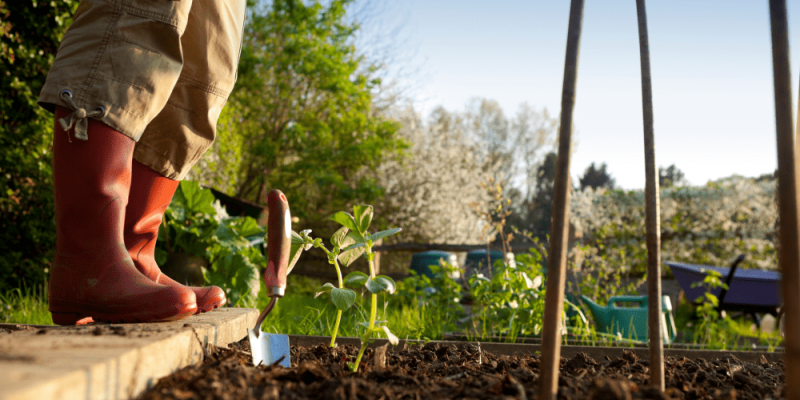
pixel 789 231
pixel 557 257
pixel 652 210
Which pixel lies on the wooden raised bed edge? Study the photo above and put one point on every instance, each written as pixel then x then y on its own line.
pixel 633 344
pixel 510 349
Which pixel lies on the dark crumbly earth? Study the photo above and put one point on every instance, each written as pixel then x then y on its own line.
pixel 436 371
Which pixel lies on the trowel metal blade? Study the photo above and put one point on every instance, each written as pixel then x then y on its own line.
pixel 268 348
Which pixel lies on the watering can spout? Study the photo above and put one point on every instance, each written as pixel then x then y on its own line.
pixel 596 309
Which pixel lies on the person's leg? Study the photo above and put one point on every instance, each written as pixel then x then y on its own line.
pixel 150 196
pixel 117 65
pixel 92 275
pixel 184 129
pixel 120 61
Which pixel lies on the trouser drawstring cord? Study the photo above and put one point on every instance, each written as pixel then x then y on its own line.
pixel 79 117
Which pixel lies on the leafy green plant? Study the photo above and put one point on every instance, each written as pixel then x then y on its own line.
pixel 193 226
pixel 349 243
pixel 598 275
pixel 30 32
pixel 440 292
pixel 342 298
pixel 511 302
pixel 711 328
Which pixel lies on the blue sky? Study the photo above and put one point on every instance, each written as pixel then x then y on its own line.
pixel 711 68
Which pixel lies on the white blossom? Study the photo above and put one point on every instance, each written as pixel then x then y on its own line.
pixel 716 221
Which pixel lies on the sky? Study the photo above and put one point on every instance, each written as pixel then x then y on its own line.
pixel 711 66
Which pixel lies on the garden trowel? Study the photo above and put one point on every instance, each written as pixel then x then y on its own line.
pixel 269 349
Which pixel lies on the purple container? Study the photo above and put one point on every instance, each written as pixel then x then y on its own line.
pixel 749 288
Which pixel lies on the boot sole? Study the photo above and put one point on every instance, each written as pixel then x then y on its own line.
pixel 82 318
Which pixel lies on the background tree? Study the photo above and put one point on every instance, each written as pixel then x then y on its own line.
pixel 432 190
pixel 303 111
pixel 30 32
pixel 533 132
pixel 510 152
pixel 596 177
pixel 488 126
pixel 670 176
pixel 540 217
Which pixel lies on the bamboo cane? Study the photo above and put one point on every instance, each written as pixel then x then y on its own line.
pixel 789 231
pixel 652 210
pixel 557 258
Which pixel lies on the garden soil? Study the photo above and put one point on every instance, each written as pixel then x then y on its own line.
pixel 437 371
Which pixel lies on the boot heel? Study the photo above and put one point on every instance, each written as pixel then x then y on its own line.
pixel 62 318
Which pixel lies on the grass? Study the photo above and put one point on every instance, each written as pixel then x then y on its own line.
pixel 25 306
pixel 299 313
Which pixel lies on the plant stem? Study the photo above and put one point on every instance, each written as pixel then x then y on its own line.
pixel 372 312
pixel 336 328
pixel 339 312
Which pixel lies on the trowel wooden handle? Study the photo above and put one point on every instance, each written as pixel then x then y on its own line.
pixel 279 239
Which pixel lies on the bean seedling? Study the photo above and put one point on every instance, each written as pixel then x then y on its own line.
pixel 350 242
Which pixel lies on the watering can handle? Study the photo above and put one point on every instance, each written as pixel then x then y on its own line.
pixel 279 239
pixel 628 299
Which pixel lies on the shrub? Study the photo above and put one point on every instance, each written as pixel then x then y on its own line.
pixel 29 36
pixel 193 225
pixel 708 224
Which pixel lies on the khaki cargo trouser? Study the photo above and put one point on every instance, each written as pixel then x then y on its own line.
pixel 158 71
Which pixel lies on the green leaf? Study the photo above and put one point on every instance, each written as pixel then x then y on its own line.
pixel 338 237
pixel 345 220
pixel 356 279
pixel 175 212
pixel 381 283
pixel 326 288
pixel 351 252
pixel 390 284
pixel 348 257
pixel 245 227
pixel 161 256
pixel 237 276
pixel 342 298
pixel 363 217
pixel 712 299
pixel 228 238
pixel 295 250
pixel 354 246
pixel 194 199
pixel 382 234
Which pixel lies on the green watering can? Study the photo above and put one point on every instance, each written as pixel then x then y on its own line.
pixel 631 322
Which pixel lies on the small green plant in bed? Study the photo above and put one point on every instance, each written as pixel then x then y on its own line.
pixel 510 303
pixel 703 324
pixel 199 244
pixel 438 297
pixel 349 243
pixel 711 329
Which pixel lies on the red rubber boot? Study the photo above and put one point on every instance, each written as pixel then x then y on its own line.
pixel 150 196
pixel 93 276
